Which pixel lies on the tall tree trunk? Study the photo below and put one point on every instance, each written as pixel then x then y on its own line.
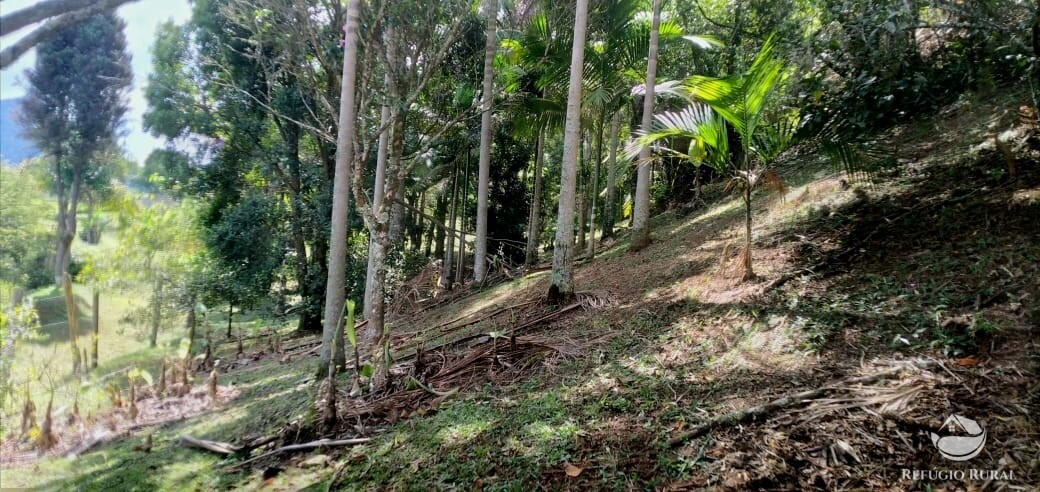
pixel 377 200
pixel 156 311
pixel 484 163
pixel 582 197
pixel 68 203
pixel 386 220
pixel 448 273
pixel 595 184
pixel 460 264
pixel 398 219
pixel 437 233
pixel 335 294
pixel 191 320
pixel 416 224
pixel 95 320
pixel 609 214
pixel 230 317
pixel 388 229
pixel 73 320
pixel 310 314
pixel 562 287
pixel 534 227
pixel 1036 33
pixel 641 202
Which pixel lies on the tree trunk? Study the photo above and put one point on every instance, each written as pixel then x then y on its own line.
pixel 192 321
pixel 595 184
pixel 562 287
pixel 582 201
pixel 68 203
pixel 398 217
pixel 70 310
pixel 435 239
pixel 388 232
pixel 641 201
pixel 484 163
pixel 335 293
pixel 1036 32
pixel 96 321
pixel 377 199
pixel 749 274
pixel 460 264
pixel 534 226
pixel 157 311
pixel 609 214
pixel 230 316
pixel 448 273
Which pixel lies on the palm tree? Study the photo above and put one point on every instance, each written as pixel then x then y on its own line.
pixel 562 287
pixel 484 163
pixel 641 205
pixel 335 293
pixel 739 103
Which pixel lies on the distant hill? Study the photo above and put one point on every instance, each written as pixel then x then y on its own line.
pixel 13 148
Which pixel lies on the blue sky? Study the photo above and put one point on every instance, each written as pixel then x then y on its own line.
pixel 142 17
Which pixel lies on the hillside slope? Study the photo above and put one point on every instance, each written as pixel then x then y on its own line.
pixel 881 309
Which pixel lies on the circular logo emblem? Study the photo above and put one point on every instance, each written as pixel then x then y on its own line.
pixel 966 444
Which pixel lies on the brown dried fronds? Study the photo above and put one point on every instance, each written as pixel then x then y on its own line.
pixel 773 182
pixel 28 414
pixel 594 299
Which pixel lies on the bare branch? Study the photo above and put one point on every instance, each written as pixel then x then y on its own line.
pixel 58 22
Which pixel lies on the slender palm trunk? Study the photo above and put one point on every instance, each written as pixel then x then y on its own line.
pixel 460 270
pixel 534 228
pixel 748 272
pixel 595 184
pixel 440 216
pixel 609 214
pixel 96 321
pixel 447 272
pixel 484 164
pixel 582 197
pixel 562 287
pixel 641 205
pixel 335 294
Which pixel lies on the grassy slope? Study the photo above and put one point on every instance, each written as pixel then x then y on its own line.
pixel 685 341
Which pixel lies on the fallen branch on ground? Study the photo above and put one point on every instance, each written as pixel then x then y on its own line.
pixel 321 443
pixel 224 448
pixel 746 414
